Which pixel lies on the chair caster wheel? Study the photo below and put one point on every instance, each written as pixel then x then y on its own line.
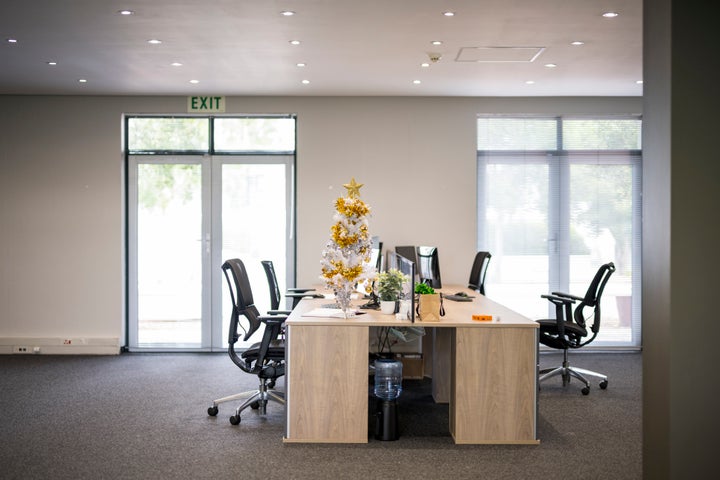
pixel 235 420
pixel 255 405
pixel 585 390
pixel 604 384
pixel 212 411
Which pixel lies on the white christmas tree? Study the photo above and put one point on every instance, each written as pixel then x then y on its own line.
pixel 346 258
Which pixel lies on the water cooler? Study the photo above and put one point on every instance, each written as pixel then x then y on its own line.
pixel 388 385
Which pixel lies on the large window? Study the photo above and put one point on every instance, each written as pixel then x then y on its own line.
pixel 558 197
pixel 202 190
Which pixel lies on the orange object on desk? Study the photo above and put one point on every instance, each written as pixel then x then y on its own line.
pixel 482 318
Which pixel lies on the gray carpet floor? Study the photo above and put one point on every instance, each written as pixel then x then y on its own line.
pixel 144 416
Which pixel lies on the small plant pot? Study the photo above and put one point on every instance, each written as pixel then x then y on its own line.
pixel 387 306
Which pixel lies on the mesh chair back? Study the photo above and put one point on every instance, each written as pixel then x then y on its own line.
pixel 478 271
pixel 275 295
pixel 593 296
pixel 242 298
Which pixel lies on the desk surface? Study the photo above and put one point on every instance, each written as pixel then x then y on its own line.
pixel 457 314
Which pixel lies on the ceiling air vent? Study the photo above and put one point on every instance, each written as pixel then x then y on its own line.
pixel 499 54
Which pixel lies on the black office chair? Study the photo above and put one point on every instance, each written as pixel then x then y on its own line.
pixel 296 294
pixel 265 359
pixel 569 328
pixel 478 271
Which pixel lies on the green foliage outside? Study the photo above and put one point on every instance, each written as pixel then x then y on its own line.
pixel 601 189
pixel 168 134
pixel 159 184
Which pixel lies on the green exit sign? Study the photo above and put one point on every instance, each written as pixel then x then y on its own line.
pixel 206 105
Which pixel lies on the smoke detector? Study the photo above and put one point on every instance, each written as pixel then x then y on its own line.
pixel 434 56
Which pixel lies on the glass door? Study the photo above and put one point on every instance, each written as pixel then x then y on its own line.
pixel 253 223
pixel 187 215
pixel 168 249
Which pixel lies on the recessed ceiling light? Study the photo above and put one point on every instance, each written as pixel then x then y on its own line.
pixel 301 64
pixel 639 82
pixel 287 13
pixel 551 65
pixel 12 40
pixel 154 41
pixel 126 12
pixel 436 42
pixel 51 63
pixel 530 82
pixel 194 82
pixel 294 42
pixel 176 64
pixel 305 82
pixel 424 65
pixel 610 14
pixel 449 14
pixel 82 80
pixel 417 82
pixel 577 42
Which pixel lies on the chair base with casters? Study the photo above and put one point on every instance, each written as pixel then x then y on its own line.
pixel 566 371
pixel 255 399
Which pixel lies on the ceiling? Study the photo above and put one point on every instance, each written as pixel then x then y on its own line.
pixel 349 47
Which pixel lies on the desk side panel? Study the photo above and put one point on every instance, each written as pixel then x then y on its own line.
pixel 494 389
pixel 327 384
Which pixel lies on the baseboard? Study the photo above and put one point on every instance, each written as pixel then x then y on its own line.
pixel 59 346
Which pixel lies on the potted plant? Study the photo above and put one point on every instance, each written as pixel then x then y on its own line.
pixel 430 307
pixel 389 287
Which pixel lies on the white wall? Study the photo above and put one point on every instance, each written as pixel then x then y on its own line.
pixel 61 189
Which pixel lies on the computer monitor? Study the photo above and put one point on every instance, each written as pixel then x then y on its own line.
pixel 407 251
pixel 398 262
pixel 376 260
pixel 376 253
pixel 429 266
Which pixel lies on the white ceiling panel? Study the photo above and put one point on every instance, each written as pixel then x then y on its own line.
pixel 349 47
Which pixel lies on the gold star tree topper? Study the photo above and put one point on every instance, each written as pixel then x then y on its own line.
pixel 353 188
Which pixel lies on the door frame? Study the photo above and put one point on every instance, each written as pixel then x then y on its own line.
pixel 213 336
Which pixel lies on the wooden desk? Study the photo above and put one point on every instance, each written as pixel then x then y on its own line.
pixel 492 374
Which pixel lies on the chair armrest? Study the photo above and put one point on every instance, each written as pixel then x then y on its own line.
pixel 272 320
pixel 296 297
pixel 273 326
pixel 563 310
pixel 279 312
pixel 567 295
pixel 304 295
pixel 300 290
pixel 561 300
